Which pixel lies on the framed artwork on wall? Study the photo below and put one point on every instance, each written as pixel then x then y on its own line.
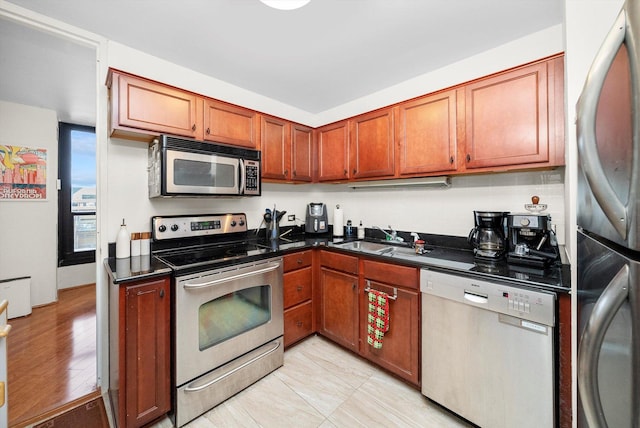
pixel 23 173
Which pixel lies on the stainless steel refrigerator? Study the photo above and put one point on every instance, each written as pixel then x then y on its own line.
pixel 608 126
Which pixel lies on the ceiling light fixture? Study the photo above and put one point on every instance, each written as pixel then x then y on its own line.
pixel 285 4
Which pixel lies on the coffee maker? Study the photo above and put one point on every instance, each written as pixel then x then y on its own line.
pixel 488 236
pixel 532 242
pixel 316 219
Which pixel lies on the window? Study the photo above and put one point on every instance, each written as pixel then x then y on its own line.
pixel 77 194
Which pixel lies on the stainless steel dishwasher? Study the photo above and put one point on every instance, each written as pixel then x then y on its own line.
pixel 488 350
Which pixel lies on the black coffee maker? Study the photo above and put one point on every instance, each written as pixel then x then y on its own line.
pixel 488 236
pixel 532 242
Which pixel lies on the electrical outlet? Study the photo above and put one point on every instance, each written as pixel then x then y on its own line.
pixel 291 217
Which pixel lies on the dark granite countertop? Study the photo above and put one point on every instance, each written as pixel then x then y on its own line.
pixel 446 253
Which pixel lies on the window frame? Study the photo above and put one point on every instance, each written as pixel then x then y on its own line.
pixel 67 256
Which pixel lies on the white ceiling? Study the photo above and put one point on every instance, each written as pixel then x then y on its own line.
pixel 315 58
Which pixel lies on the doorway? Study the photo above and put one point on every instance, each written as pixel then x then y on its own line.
pixel 50 69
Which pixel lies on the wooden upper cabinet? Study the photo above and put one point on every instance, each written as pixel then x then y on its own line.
pixel 507 120
pixel 372 145
pixel 287 150
pixel 276 148
pixel 426 134
pixel 301 153
pixel 226 123
pixel 141 109
pixel 333 152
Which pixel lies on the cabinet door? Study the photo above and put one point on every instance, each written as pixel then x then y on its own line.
pixel 147 351
pixel 225 123
pixel 507 118
pixel 139 104
pixel 339 307
pixel 276 148
pixel 372 145
pixel 426 134
pixel 333 152
pixel 301 153
pixel 400 345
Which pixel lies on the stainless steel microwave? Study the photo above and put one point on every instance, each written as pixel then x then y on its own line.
pixel 179 167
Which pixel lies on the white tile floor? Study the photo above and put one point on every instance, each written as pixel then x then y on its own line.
pixel 323 385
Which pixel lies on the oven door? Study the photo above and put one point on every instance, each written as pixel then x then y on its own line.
pixel 201 174
pixel 223 314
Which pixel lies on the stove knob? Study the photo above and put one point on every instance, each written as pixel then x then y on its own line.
pixel 233 223
pixel 524 221
pixel 162 228
pixel 174 227
pixel 241 222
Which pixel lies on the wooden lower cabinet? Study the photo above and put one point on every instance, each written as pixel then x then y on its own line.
pixel 298 296
pixel 140 376
pixel 400 352
pixel 338 293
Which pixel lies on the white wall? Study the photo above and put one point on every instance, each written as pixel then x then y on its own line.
pixel 29 229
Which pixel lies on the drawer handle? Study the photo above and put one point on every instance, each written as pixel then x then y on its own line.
pixel 299 261
pixel 299 287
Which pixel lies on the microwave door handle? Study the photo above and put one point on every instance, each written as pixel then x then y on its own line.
pixel 593 335
pixel 586 108
pixel 243 177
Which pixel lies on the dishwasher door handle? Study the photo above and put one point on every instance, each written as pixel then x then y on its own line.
pixel 475 297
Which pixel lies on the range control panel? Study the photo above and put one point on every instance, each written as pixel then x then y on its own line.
pixel 193 226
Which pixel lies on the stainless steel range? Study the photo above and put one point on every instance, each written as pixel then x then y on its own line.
pixel 228 308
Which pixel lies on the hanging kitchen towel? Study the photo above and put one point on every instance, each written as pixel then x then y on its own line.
pixel 377 317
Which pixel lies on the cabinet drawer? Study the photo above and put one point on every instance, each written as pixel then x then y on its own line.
pixel 297 323
pixel 338 261
pixel 403 276
pixel 297 260
pixel 297 287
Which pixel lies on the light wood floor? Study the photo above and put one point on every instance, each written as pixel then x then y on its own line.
pixel 52 355
pixel 322 385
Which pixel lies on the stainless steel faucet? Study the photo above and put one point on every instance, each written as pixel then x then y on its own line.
pixel 393 236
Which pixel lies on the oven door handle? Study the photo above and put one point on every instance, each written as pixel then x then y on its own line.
pixel 195 286
pixel 198 388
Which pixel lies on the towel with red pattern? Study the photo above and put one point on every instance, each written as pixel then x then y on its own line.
pixel 377 317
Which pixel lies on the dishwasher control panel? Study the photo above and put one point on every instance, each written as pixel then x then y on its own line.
pixel 532 305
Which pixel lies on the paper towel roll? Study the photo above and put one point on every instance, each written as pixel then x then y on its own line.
pixel 338 221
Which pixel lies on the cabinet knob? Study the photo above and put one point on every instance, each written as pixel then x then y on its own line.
pixel 299 323
pixel 468 157
pixel 193 128
pixel 299 288
pixel 354 171
pixel 161 293
pixel 345 172
pixel 208 131
pixel 451 160
pixel 299 261
pixel 353 286
pixel 294 173
pixel 286 171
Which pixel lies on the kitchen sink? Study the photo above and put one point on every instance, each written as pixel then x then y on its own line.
pixel 365 246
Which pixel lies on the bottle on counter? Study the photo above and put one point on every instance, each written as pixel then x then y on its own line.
pixel 123 243
pixel 361 231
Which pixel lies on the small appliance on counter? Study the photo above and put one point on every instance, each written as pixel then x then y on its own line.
pixel 488 236
pixel 316 218
pixel 532 242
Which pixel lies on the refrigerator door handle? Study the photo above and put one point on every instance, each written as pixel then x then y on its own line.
pixel 586 108
pixel 593 335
